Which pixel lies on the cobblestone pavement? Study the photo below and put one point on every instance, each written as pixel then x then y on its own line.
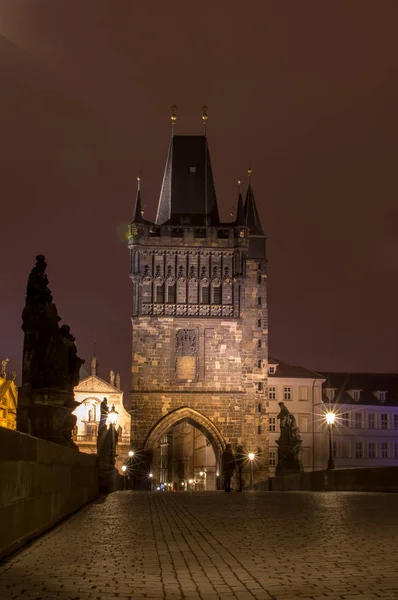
pixel 274 545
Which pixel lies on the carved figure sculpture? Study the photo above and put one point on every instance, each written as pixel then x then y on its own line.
pixel 289 443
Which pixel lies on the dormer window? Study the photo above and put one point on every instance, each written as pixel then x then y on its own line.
pixel 356 395
pixel 330 393
pixel 382 397
pixel 272 369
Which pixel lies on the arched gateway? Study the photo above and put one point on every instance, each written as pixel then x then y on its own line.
pixel 199 323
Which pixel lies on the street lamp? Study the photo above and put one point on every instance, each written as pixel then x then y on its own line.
pixel 124 468
pixel 251 456
pixel 330 418
pixel 112 416
pixel 131 453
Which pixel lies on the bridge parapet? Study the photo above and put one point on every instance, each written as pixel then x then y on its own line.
pixel 40 484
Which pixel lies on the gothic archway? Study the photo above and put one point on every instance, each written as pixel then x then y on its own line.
pixel 195 418
pixel 185 448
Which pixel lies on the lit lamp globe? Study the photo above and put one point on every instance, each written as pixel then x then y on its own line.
pixel 131 453
pixel 330 418
pixel 150 475
pixel 251 455
pixel 124 468
pixel 112 416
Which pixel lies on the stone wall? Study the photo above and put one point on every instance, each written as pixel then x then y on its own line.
pixel 382 479
pixel 40 484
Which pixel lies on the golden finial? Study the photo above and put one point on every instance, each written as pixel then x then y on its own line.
pixel 142 213
pixel 204 116
pixel 239 184
pixel 139 182
pixel 173 114
pixel 250 171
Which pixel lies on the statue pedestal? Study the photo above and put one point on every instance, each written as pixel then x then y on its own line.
pixel 47 414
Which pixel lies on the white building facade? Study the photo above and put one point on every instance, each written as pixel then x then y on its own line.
pixel 365 431
pixel 90 392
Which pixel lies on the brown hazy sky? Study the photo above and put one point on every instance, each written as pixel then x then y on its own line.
pixel 305 90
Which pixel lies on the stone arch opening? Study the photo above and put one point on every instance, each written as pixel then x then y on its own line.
pixel 186 449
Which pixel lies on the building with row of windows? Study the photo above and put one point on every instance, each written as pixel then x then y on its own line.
pixel 365 432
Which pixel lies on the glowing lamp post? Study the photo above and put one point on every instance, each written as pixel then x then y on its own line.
pixel 330 418
pixel 112 416
pixel 251 458
pixel 131 453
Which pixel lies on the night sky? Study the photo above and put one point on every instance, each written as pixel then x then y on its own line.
pixel 306 91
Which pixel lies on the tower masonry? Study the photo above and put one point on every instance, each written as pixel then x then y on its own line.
pixel 199 326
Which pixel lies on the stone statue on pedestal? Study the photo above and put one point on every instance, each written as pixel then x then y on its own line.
pixel 289 443
pixel 50 368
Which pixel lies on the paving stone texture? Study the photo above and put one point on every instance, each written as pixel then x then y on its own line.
pixel 278 545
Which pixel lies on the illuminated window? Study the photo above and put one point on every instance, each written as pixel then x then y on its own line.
pixel 372 450
pixel 384 450
pixel 358 420
pixel 272 458
pixel 287 393
pixel 358 450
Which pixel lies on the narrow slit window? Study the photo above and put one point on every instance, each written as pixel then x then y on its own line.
pixel 160 294
pixel 205 295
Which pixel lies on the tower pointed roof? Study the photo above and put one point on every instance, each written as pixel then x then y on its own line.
pixel 240 211
pixel 137 214
pixel 257 239
pixel 251 214
pixel 188 194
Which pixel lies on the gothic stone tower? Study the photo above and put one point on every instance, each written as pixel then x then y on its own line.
pixel 199 319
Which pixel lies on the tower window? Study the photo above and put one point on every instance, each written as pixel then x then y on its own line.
pixel 223 234
pixel 258 343
pixel 259 364
pixel 260 386
pixel 217 295
pixel 171 294
pixel 160 294
pixel 259 407
pixel 259 266
pixel 259 429
pixel 259 323
pixel 205 294
pixel 259 300
pixel 258 279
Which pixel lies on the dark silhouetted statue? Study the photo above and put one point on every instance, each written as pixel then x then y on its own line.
pixel 50 368
pixel 289 443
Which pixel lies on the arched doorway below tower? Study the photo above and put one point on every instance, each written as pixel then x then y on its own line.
pixel 184 460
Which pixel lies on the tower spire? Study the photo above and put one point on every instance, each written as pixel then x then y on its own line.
pixel 240 211
pixel 138 212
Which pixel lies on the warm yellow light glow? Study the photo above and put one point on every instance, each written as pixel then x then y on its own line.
pixel 112 416
pixel 124 468
pixel 201 473
pixel 251 455
pixel 131 453
pixel 150 475
pixel 190 481
pixel 218 473
pixel 330 418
